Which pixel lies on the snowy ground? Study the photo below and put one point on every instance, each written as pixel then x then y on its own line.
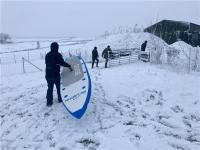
pixel 136 106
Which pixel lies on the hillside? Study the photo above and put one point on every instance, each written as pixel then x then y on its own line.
pixel 122 41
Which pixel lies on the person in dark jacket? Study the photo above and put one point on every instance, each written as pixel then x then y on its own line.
pixel 105 54
pixel 95 56
pixel 143 46
pixel 54 60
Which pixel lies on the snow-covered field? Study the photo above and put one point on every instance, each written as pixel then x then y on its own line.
pixel 22 43
pixel 27 48
pixel 136 106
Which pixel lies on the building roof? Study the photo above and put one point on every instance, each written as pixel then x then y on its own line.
pixel 195 27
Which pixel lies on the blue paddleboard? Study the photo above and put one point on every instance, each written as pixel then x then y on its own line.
pixel 76 87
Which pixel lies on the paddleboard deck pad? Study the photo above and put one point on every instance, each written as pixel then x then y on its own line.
pixel 76 87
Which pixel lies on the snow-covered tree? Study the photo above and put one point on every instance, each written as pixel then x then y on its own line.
pixel 106 34
pixel 4 38
pixel 156 50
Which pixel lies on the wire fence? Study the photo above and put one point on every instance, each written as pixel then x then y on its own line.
pixel 27 61
pixel 184 60
pixel 178 60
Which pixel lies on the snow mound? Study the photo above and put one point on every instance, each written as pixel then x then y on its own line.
pixel 122 41
pixel 186 53
pixel 181 45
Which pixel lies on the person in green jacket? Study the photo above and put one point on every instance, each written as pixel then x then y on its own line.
pixel 106 54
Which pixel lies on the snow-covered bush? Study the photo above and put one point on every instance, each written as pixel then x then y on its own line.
pixel 106 34
pixel 123 30
pixel 4 38
pixel 172 56
pixel 156 54
pixel 157 50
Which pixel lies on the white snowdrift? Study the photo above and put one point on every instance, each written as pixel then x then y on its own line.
pixel 186 53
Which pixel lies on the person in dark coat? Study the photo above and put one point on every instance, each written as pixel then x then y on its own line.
pixel 143 46
pixel 95 56
pixel 105 54
pixel 53 61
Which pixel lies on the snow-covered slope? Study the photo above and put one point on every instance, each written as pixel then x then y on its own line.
pixel 122 41
pixel 135 106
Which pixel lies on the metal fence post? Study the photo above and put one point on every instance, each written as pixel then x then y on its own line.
pixel 15 61
pixel 189 61
pixel 28 56
pixel 195 59
pixel 119 56
pixel 23 65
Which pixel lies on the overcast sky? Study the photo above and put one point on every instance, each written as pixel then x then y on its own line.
pixel 88 18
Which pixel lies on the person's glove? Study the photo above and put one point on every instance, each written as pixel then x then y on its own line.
pixel 70 68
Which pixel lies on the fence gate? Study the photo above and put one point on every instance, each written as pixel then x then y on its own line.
pixel 123 56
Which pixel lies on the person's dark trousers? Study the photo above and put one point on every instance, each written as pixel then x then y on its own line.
pixel 50 83
pixel 106 63
pixel 93 61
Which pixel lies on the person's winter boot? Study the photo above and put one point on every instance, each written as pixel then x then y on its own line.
pixel 49 101
pixel 49 104
pixel 59 99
